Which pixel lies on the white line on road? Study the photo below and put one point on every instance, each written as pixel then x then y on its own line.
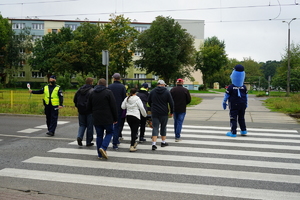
pixel 188 188
pixel 191 159
pixel 165 169
pixel 29 130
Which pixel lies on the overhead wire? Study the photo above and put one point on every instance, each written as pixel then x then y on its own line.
pixel 159 11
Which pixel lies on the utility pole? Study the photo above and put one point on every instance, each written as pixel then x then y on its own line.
pixel 289 59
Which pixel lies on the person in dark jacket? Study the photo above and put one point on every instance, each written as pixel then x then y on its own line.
pixel 53 101
pixel 237 97
pixel 119 92
pixel 143 94
pixel 181 97
pixel 102 103
pixel 85 117
pixel 160 101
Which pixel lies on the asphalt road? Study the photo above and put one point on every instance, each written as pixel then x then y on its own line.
pixel 204 165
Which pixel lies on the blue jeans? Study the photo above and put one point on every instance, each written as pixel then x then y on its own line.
pixel 116 128
pixel 103 143
pixel 162 120
pixel 86 123
pixel 178 121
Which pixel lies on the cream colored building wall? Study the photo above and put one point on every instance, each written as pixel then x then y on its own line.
pixel 49 25
pixel 196 29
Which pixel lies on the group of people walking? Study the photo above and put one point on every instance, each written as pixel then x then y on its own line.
pixel 103 107
pixel 106 105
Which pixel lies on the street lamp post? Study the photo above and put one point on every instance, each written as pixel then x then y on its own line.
pixel 289 67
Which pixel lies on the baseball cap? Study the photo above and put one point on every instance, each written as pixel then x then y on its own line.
pixel 145 85
pixel 116 76
pixel 179 80
pixel 53 76
pixel 239 68
pixel 161 82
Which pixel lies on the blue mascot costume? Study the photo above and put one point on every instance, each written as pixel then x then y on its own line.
pixel 237 97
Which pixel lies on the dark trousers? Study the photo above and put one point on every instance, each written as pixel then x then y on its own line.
pixel 142 126
pixel 237 114
pixel 133 123
pixel 51 113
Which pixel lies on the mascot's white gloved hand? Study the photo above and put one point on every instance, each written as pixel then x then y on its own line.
pixel 224 105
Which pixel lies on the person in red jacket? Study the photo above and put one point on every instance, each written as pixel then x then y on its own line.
pixel 181 97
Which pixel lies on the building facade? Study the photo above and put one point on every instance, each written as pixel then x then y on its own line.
pixel 40 27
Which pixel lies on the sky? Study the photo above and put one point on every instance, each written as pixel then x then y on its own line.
pixel 250 28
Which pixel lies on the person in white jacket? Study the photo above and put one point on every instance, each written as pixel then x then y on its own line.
pixel 134 106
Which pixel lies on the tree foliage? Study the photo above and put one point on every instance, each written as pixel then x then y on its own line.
pixel 167 50
pixel 280 79
pixel 119 36
pixel 14 50
pixel 211 58
pixel 80 51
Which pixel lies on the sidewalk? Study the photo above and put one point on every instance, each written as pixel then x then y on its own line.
pixel 211 110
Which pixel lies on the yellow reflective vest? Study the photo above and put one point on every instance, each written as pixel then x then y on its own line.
pixel 54 95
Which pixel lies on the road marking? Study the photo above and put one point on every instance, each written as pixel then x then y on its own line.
pixel 187 188
pixel 62 122
pixel 29 130
pixel 228 128
pixel 214 151
pixel 165 169
pixel 224 137
pixel 190 159
pixel 261 132
pixel 42 126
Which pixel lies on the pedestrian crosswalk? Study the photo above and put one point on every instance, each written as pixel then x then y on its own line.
pixel 265 164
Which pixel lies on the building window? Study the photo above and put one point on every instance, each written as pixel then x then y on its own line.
pixel 140 28
pixel 139 75
pixel 155 77
pixel 138 53
pixel 137 66
pixel 71 26
pixel 36 37
pixel 20 74
pixel 18 25
pixel 39 26
pixel 37 75
pixel 54 30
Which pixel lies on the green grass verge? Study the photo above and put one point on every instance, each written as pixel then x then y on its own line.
pixel 19 101
pixel 288 105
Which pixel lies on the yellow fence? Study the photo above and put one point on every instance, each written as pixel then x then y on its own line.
pixel 22 102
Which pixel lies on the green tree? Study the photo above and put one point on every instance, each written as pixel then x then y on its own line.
pixel 254 75
pixel 119 37
pixel 280 79
pixel 167 50
pixel 211 58
pixel 48 55
pixel 269 68
pixel 6 35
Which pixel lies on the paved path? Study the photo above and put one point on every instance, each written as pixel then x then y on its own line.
pixel 211 110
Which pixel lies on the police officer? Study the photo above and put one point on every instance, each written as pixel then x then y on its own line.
pixel 53 101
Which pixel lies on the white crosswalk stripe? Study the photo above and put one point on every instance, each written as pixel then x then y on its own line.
pixel 264 156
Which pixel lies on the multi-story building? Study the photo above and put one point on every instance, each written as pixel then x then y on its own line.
pixel 40 27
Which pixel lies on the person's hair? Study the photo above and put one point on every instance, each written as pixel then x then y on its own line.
pixel 89 80
pixel 102 81
pixel 132 92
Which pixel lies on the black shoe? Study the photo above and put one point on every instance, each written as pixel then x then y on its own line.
pixel 154 147
pixel 164 144
pixel 79 141
pixel 91 144
pixel 50 134
pixel 142 139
